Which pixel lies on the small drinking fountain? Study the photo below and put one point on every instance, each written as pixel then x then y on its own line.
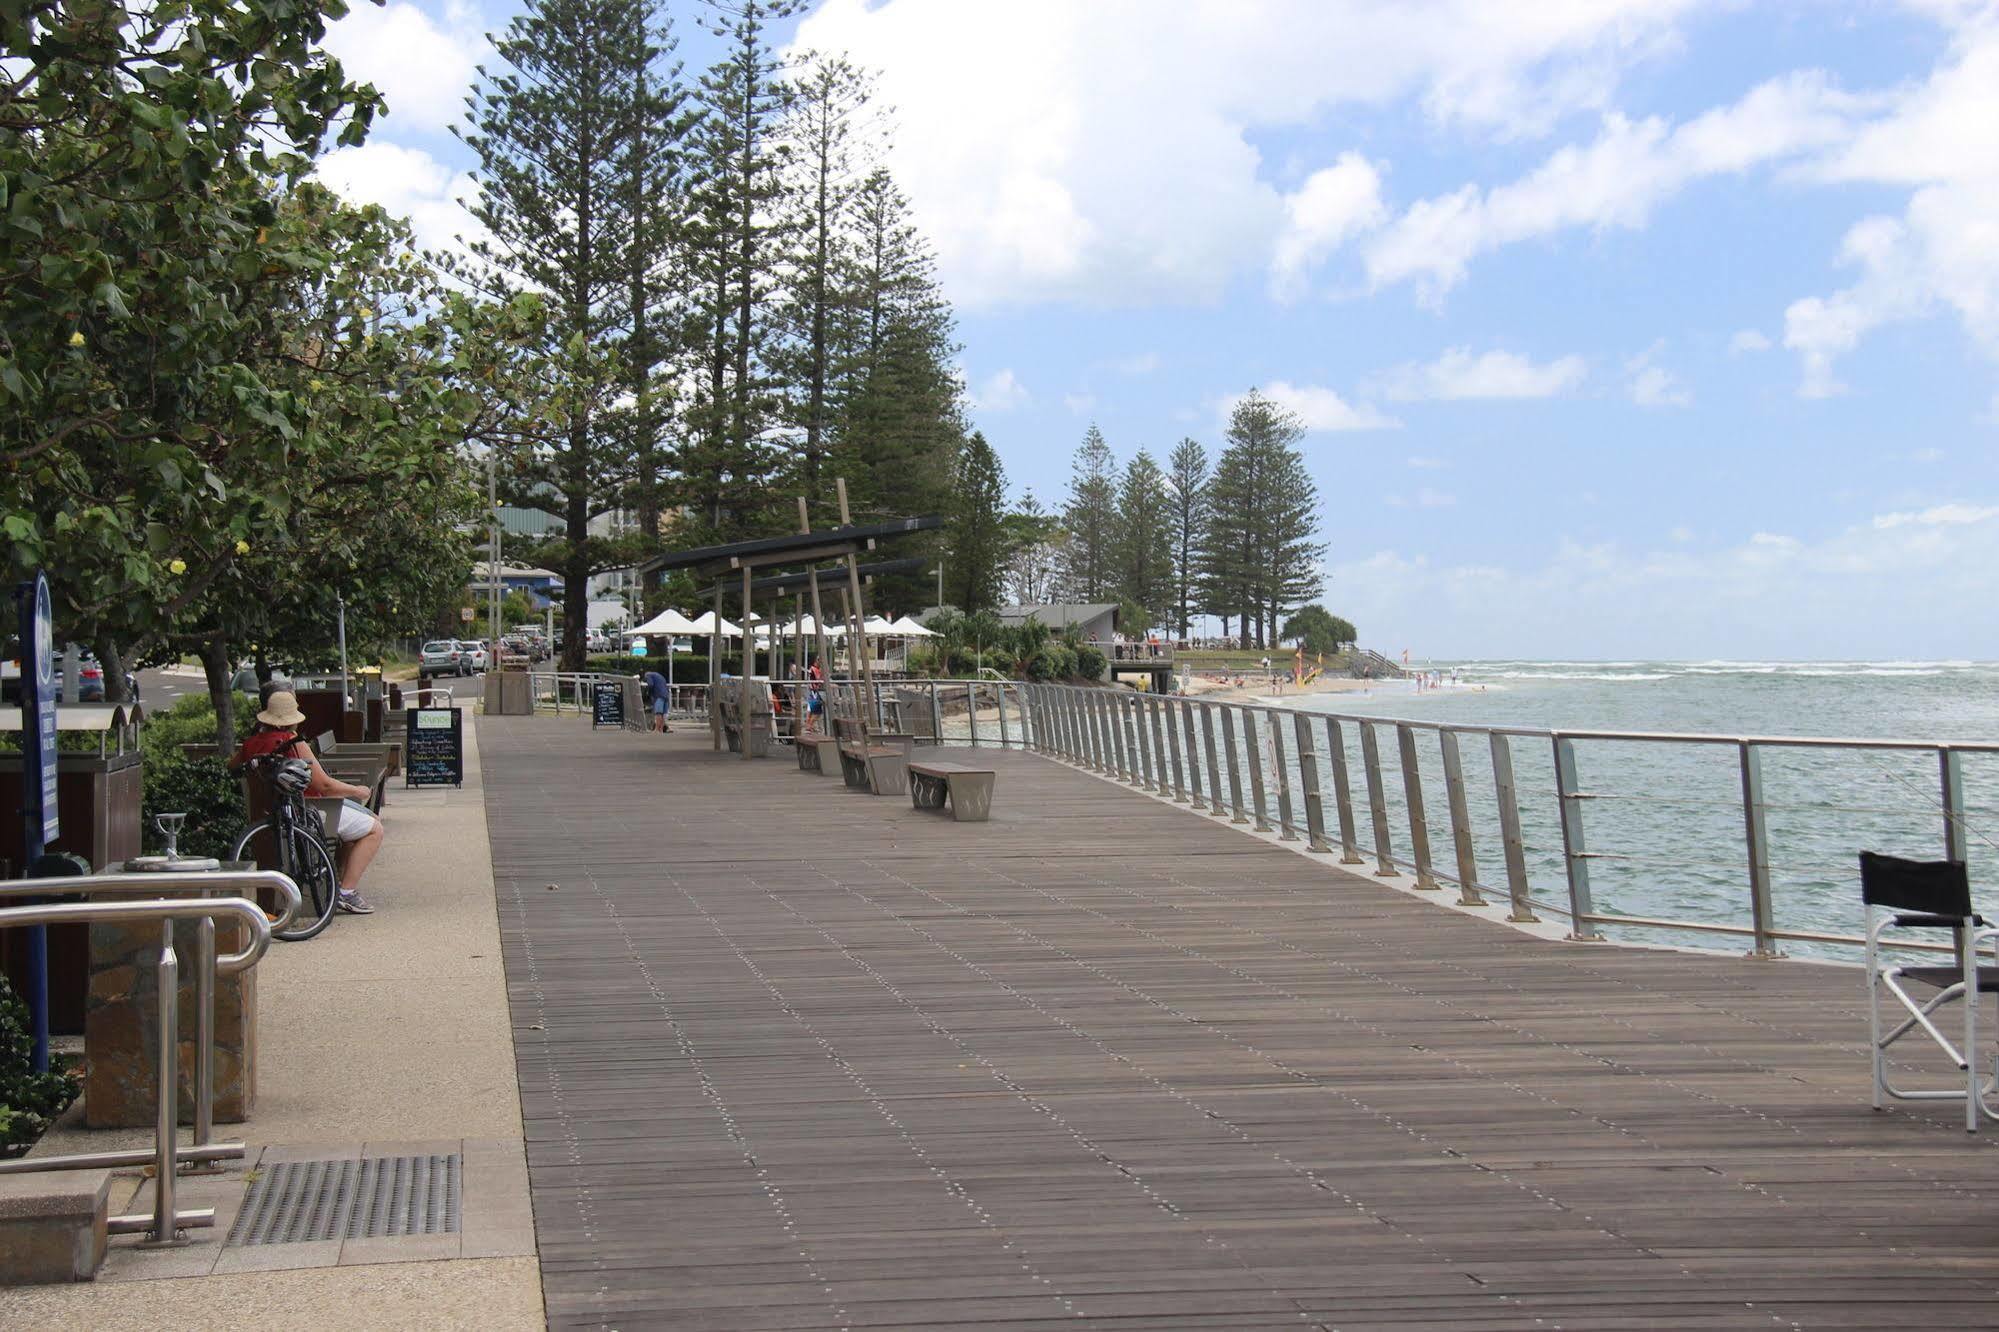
pixel 172 859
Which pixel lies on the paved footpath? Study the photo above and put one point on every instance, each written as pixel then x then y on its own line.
pixel 792 1056
pixel 385 1036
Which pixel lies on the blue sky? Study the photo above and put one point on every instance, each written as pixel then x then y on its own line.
pixel 1624 327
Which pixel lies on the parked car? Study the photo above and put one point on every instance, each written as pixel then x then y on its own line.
pixel 89 677
pixel 597 643
pixel 474 653
pixel 442 656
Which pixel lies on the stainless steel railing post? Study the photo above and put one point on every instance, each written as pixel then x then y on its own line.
pixel 165 1232
pixel 1756 840
pixel 1575 854
pixel 1235 774
pixel 1336 747
pixel 1142 743
pixel 1950 771
pixel 1308 785
pixel 999 691
pixel 1520 910
pixel 1214 769
pixel 1093 729
pixel 936 715
pixel 1121 731
pixel 1461 843
pixel 1412 792
pixel 1153 705
pixel 204 1030
pixel 972 709
pixel 1282 771
pixel 1377 800
pixel 1191 748
pixel 1254 758
pixel 1172 708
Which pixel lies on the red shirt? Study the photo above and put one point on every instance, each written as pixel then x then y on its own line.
pixel 266 743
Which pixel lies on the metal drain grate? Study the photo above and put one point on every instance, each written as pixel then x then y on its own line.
pixel 296 1201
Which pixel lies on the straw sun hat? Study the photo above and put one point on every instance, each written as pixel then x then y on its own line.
pixel 281 710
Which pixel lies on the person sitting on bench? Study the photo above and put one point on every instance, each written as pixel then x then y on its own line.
pixel 359 830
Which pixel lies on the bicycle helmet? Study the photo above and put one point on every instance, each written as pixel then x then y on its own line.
pixel 292 776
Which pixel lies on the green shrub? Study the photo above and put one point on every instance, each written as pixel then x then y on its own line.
pixel 1089 662
pixel 29 1101
pixel 686 669
pixel 202 788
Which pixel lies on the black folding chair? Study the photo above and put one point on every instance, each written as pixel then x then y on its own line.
pixel 1927 895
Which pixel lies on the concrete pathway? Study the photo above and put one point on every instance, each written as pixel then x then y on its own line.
pixel 387 1035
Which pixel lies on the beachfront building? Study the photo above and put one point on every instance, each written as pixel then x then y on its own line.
pixel 1132 658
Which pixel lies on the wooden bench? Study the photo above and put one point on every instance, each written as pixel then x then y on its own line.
pixel 970 790
pixel 389 750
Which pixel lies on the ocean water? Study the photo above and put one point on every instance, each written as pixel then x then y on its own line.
pixel 1667 819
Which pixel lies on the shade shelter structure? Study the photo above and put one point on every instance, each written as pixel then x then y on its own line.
pixel 673 624
pixel 744 558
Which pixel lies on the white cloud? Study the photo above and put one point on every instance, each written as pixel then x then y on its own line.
pixel 1000 391
pixel 1617 180
pixel 408 182
pixel 1334 204
pixel 420 67
pixel 1749 340
pixel 1042 170
pixel 1653 385
pixel 1767 595
pixel 1079 403
pixel 1142 363
pixel 1942 252
pixel 1319 408
pixel 1458 374
pixel 1943 515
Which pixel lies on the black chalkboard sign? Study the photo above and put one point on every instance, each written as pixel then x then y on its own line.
pixel 609 698
pixel 433 747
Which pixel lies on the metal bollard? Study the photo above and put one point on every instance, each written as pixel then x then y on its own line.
pixel 1520 910
pixel 1377 800
pixel 1575 854
pixel 1342 792
pixel 1461 843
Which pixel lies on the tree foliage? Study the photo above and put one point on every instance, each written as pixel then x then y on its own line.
pixel 977 533
pixel 1318 630
pixel 1091 519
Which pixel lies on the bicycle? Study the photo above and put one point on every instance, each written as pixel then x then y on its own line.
pixel 285 840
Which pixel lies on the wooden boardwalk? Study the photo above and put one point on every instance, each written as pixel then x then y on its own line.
pixel 797 1057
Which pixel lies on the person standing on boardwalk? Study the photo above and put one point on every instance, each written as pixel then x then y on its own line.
pixel 661 700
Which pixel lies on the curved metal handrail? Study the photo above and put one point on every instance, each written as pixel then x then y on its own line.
pixel 165 883
pixel 111 913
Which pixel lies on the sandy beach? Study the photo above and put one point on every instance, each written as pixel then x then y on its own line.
pixel 1258 684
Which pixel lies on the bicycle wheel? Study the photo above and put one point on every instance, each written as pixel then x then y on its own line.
pixel 311 867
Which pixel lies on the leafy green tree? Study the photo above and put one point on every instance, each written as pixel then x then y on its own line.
pixel 1144 544
pixel 1261 554
pixel 1034 553
pixel 554 131
pixel 1318 629
pixel 141 163
pixel 738 234
pixel 1187 485
pixel 1091 519
pixel 825 130
pixel 977 532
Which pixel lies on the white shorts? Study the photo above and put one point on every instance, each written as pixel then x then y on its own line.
pixel 355 821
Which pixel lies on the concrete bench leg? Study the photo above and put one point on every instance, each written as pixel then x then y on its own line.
pixel 853 770
pixel 889 773
pixel 926 792
pixel 972 797
pixel 808 756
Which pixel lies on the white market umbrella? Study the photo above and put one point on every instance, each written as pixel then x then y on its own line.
pixel 909 628
pixel 670 622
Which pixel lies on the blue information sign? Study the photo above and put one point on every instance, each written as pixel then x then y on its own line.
pixel 38 705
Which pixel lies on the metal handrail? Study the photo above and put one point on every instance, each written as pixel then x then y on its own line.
pixel 162 1229
pixel 1115 731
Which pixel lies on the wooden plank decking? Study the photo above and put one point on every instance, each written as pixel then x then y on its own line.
pixel 794 1056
